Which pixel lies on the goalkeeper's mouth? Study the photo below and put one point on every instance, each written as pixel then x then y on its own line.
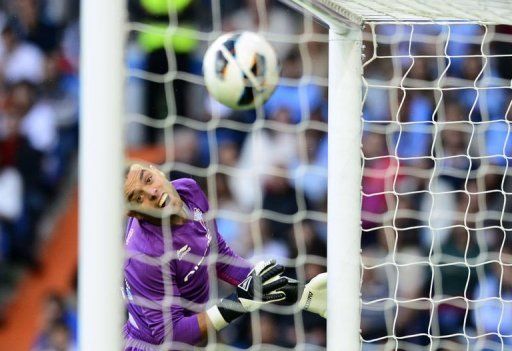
pixel 164 200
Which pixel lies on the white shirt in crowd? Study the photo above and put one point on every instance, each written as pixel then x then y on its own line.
pixel 39 126
pixel 25 62
pixel 11 193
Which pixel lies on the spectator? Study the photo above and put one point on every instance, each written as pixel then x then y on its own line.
pixel 457 280
pixel 59 96
pixel 19 60
pixel 17 152
pixel 281 199
pixel 58 326
pixel 492 314
pixel 379 177
pixel 182 42
pixel 310 175
pixel 37 118
pixel 11 204
pixel 266 153
pixel 35 27
pixel 58 338
pixel 298 99
pixel 234 231
pixel 413 140
pixel 272 244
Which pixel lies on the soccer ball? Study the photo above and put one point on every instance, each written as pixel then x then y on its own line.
pixel 240 70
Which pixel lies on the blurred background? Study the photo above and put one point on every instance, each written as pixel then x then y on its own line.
pixel 435 150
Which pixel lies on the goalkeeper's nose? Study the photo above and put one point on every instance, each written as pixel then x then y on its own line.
pixel 154 194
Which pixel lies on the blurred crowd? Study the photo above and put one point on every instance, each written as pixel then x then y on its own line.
pixel 59 321
pixel 39 48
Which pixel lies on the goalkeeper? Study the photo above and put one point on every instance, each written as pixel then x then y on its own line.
pixel 149 279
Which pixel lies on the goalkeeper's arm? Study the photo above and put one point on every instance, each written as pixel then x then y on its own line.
pixel 314 297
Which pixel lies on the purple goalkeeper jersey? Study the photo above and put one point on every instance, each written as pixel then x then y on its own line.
pixel 153 272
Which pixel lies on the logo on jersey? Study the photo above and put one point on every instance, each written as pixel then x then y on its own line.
pixel 198 217
pixel 183 251
pixel 127 291
pixel 190 274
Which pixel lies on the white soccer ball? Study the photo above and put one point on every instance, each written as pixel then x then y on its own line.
pixel 240 70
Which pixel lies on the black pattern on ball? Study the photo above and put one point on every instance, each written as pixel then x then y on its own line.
pixel 259 66
pixel 220 65
pixel 247 96
pixel 231 43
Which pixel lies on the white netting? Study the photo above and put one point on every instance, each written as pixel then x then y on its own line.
pixel 437 264
pixel 264 171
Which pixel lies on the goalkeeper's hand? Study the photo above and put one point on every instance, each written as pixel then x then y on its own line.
pixel 314 297
pixel 261 286
pixel 292 292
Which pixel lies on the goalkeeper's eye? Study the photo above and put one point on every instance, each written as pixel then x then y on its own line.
pixel 148 179
pixel 139 199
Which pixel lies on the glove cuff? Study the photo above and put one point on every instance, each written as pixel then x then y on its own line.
pixel 226 311
pixel 231 308
pixel 216 318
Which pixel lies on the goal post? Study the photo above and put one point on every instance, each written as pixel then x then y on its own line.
pixel 101 163
pixel 344 184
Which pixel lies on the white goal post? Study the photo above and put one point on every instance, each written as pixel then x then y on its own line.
pixel 101 166
pixel 346 20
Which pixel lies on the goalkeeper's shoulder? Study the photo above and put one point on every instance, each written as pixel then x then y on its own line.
pixel 189 190
pixel 186 184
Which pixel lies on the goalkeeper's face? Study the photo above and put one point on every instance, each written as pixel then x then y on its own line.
pixel 149 194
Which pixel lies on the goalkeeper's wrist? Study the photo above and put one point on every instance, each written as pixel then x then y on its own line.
pixel 227 310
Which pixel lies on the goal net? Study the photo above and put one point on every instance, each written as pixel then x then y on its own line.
pixel 436 264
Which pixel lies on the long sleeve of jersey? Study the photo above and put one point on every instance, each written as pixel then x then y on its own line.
pixel 230 267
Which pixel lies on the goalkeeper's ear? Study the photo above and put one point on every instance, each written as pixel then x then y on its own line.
pixel 314 297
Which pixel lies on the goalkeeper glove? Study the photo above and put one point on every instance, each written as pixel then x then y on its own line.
pixel 291 290
pixel 261 286
pixel 314 297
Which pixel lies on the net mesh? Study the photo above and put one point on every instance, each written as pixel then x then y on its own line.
pixel 264 171
pixel 436 258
